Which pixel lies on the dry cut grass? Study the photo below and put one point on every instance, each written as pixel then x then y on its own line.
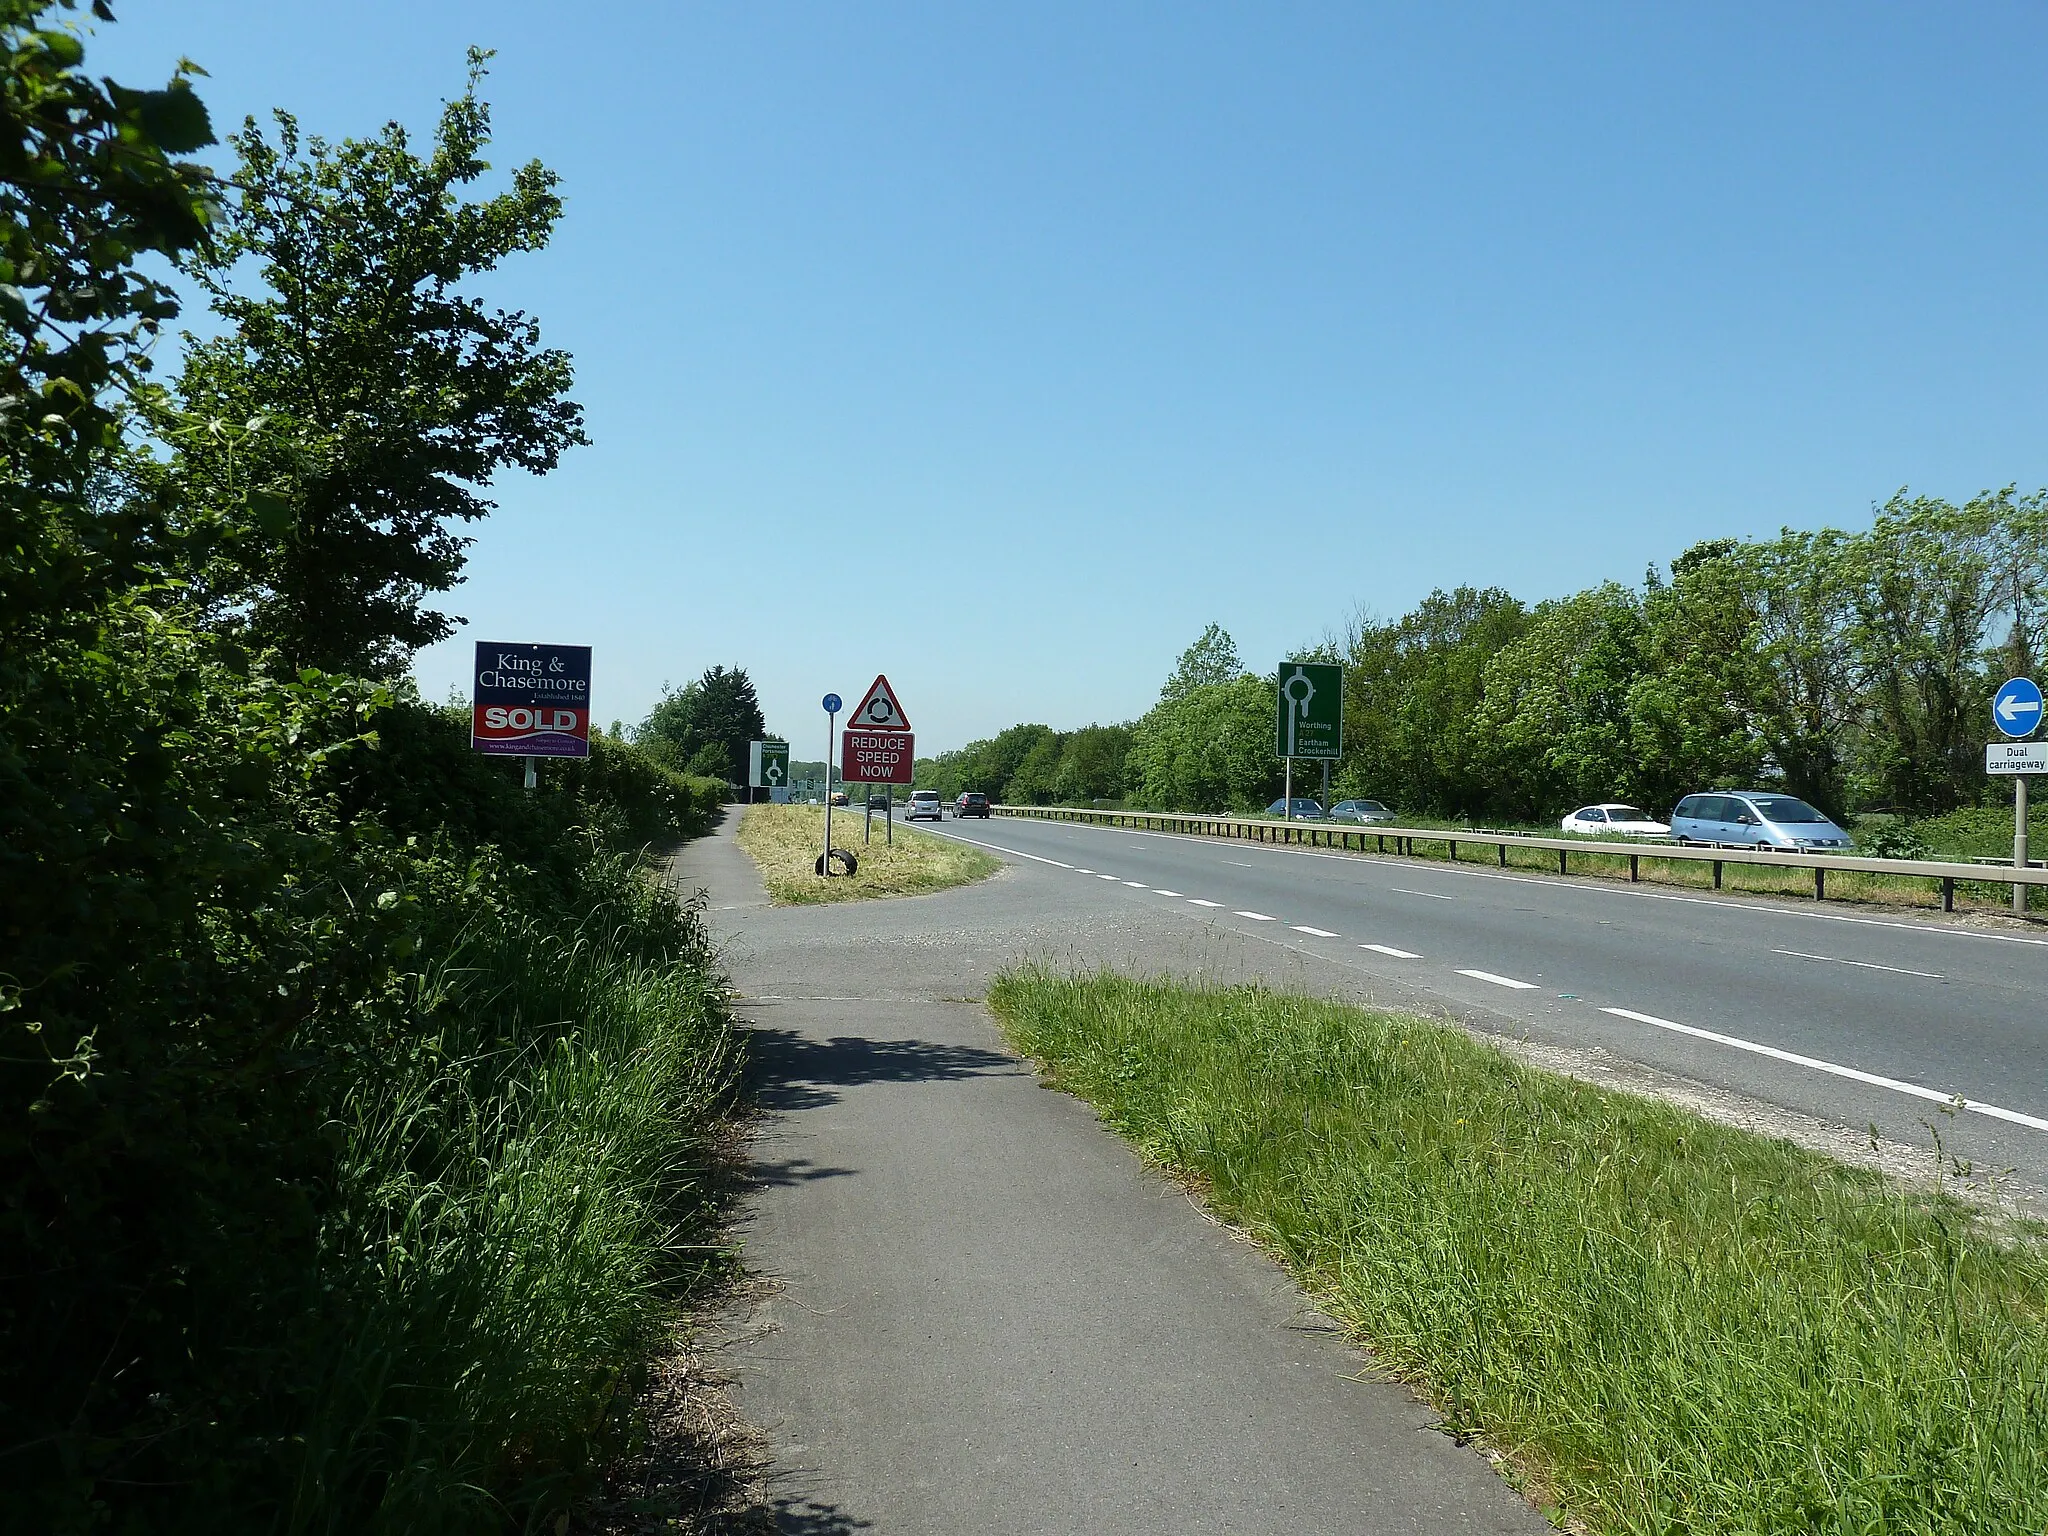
pixel 785 841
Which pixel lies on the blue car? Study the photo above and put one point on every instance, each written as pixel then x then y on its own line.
pixel 1753 818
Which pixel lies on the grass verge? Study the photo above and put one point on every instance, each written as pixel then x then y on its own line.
pixel 785 840
pixel 1667 1324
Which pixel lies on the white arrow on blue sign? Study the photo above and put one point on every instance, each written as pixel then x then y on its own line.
pixel 2016 708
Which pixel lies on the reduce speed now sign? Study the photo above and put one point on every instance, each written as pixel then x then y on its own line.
pixel 876 757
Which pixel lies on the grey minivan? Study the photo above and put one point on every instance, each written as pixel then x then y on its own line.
pixel 1754 818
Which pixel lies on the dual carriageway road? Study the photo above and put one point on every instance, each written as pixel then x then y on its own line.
pixel 1906 1027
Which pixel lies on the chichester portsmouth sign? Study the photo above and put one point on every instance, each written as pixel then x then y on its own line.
pixel 531 700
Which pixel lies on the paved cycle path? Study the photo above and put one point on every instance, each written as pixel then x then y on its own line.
pixel 984 1314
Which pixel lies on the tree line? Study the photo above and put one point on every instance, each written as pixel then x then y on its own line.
pixel 1851 668
pixel 352 1099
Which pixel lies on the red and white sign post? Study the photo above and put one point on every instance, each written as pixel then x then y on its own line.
pixel 878 747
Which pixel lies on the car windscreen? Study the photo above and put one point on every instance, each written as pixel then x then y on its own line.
pixel 1784 808
pixel 1370 805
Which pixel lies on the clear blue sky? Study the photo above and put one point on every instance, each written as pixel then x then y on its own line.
pixel 1003 349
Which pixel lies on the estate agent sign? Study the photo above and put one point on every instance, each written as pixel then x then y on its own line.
pixel 531 700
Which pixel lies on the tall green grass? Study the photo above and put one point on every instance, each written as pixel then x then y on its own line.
pixel 1669 1325
pixel 516 1196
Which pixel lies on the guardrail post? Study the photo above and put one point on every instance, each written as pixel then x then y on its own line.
pixel 1502 848
pixel 1634 874
pixel 1454 850
pixel 1560 863
pixel 1717 874
pixel 1948 893
pixel 1820 884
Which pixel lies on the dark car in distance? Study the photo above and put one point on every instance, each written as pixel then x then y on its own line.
pixel 972 803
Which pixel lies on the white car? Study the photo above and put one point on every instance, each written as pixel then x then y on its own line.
pixel 1603 820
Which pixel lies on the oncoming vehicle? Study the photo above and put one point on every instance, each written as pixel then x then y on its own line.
pixel 1368 812
pixel 923 803
pixel 971 803
pixel 1753 818
pixel 1612 818
pixel 1304 810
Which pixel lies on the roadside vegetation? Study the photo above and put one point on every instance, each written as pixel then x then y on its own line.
pixel 785 841
pixel 1851 668
pixel 1664 1323
pixel 354 1101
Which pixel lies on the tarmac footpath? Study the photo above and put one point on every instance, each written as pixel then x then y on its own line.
pixel 982 1314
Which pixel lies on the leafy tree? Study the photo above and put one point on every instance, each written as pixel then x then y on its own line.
pixel 330 442
pixel 1211 749
pixel 1210 660
pixel 89 183
pixel 1092 763
pixel 1412 695
pixel 704 727
pixel 1555 711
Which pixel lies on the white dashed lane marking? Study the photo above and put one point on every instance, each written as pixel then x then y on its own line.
pixel 1163 891
pixel 1257 917
pixel 1320 933
pixel 1196 901
pixel 1500 981
pixel 1833 1069
pixel 1861 965
pixel 1388 949
pixel 1432 895
pixel 1136 885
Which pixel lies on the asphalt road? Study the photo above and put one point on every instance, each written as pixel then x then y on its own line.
pixel 1849 1016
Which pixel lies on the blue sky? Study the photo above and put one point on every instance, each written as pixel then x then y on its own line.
pixel 1001 350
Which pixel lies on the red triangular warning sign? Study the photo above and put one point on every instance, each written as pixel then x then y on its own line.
pixel 879 711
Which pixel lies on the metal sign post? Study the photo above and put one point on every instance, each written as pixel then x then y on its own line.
pixel 831 730
pixel 2016 711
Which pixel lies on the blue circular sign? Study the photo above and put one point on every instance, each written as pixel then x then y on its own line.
pixel 832 703
pixel 2016 708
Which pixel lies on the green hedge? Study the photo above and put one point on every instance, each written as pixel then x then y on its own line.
pixel 293 985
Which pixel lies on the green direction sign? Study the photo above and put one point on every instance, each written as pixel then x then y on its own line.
pixel 768 764
pixel 1310 719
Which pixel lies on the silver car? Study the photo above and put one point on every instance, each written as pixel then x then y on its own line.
pixel 1368 812
pixel 1755 818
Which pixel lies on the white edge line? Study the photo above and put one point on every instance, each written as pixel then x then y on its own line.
pixel 1867 965
pixel 1388 949
pixel 1500 981
pixel 1320 933
pixel 1834 1069
pixel 1257 917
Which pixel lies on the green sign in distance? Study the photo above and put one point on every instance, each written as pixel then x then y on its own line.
pixel 1310 719
pixel 768 764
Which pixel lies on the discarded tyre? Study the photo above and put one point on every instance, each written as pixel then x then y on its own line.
pixel 843 860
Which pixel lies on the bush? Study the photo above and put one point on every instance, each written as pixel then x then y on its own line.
pixel 333 1068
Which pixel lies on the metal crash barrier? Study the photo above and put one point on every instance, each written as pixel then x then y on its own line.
pixel 1363 839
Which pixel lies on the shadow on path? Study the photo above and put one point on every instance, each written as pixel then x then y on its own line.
pixel 791 1071
pixel 802 1517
